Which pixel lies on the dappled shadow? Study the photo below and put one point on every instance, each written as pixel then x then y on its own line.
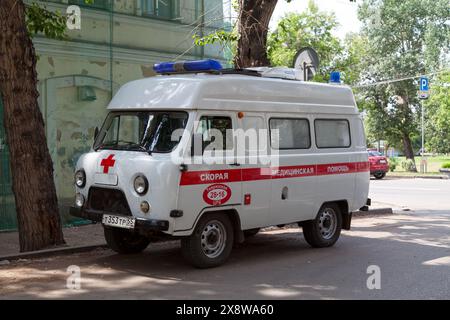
pixel 412 252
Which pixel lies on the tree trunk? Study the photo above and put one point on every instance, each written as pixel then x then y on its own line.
pixel 408 149
pixel 32 169
pixel 253 24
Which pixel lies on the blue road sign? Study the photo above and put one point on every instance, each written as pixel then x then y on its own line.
pixel 423 84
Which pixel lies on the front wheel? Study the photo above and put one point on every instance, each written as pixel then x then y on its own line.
pixel 379 175
pixel 211 242
pixel 325 229
pixel 125 241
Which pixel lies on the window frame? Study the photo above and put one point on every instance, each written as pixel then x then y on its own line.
pixel 208 115
pixel 333 119
pixel 290 118
pixel 81 3
pixel 145 13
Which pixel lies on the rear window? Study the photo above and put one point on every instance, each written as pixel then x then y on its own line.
pixel 332 133
pixel 375 154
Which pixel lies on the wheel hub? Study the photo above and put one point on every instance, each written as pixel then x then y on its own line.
pixel 213 239
pixel 327 223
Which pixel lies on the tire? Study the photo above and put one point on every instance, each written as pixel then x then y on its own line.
pixel 211 242
pixel 124 241
pixel 325 229
pixel 251 232
pixel 379 175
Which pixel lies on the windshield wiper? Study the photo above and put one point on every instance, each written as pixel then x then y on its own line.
pixel 125 145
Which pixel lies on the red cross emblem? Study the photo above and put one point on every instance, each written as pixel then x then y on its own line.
pixel 107 162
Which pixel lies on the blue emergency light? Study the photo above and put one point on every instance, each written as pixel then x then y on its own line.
pixel 335 77
pixel 189 66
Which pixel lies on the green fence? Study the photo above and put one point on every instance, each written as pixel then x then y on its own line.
pixel 8 219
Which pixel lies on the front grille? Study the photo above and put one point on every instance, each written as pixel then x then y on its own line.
pixel 110 200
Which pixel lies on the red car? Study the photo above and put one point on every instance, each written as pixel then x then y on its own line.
pixel 378 164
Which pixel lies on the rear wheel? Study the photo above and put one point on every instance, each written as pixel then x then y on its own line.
pixel 325 229
pixel 379 175
pixel 125 241
pixel 211 242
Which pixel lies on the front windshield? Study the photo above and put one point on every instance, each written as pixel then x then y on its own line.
pixel 141 131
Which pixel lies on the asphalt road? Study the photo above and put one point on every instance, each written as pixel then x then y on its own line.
pixel 411 249
pixel 415 194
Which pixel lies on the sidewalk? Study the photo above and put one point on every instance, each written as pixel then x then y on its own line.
pixel 87 235
pixel 411 175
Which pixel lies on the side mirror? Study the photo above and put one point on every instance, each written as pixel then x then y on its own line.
pixel 95 133
pixel 197 145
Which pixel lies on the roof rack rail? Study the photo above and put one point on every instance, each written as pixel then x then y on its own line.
pixel 246 72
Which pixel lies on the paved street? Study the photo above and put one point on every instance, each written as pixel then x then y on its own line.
pixel 412 249
pixel 430 195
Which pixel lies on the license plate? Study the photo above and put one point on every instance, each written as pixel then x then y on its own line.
pixel 118 221
pixel 382 161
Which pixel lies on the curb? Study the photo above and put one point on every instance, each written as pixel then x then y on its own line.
pixel 443 177
pixel 50 252
pixel 379 211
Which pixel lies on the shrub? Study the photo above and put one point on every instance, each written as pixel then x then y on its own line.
pixel 393 162
pixel 408 165
pixel 446 165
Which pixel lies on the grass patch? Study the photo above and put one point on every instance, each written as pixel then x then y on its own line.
pixel 434 164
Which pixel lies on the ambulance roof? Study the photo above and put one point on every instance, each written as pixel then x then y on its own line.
pixel 233 92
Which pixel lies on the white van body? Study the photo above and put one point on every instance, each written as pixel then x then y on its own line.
pixel 254 195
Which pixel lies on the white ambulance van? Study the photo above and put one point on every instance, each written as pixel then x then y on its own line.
pixel 152 173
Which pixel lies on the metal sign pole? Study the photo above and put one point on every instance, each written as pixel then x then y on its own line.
pixel 423 94
pixel 422 162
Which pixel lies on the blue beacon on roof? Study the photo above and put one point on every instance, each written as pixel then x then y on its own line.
pixel 182 66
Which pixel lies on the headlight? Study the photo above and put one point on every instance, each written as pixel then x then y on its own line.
pixel 80 178
pixel 79 200
pixel 141 185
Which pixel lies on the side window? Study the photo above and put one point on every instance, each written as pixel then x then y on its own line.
pixel 292 133
pixel 332 133
pixel 213 128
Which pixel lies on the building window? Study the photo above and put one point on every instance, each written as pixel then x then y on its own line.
pixel 332 133
pixel 292 133
pixel 99 4
pixel 158 8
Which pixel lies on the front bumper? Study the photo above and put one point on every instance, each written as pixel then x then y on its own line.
pixel 141 224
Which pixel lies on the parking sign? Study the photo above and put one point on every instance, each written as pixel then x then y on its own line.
pixel 423 84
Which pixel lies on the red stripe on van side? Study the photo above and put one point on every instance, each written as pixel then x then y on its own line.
pixel 293 171
pixel 210 176
pixel 252 174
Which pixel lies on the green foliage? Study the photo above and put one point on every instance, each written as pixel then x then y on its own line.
pixel 40 20
pixel 400 35
pixel 446 165
pixel 437 112
pixel 393 163
pixel 226 39
pixel 408 165
pixel 311 28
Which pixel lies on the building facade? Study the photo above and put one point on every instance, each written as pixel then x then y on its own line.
pixel 118 41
